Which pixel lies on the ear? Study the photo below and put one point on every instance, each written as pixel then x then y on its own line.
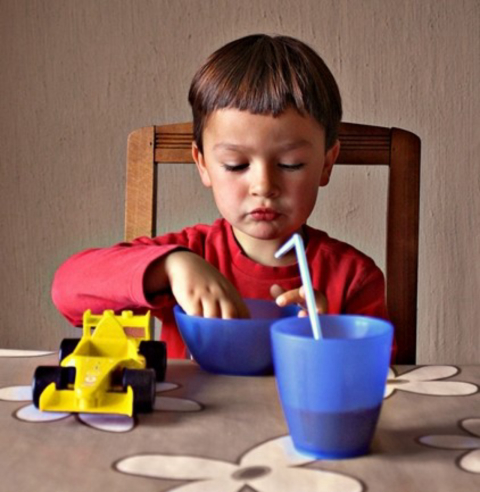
pixel 330 158
pixel 202 168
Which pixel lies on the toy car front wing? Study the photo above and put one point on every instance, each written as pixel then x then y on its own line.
pixel 53 400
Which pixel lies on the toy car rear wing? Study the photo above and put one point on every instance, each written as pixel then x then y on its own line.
pixel 109 325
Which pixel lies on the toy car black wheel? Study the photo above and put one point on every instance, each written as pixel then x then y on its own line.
pixel 67 347
pixel 142 382
pixel 155 354
pixel 45 375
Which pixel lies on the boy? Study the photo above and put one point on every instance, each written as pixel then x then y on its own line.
pixel 266 113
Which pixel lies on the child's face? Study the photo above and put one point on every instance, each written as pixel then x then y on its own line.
pixel 264 171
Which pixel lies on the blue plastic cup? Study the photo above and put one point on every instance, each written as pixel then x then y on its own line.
pixel 331 390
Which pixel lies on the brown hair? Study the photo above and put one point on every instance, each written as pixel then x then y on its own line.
pixel 264 75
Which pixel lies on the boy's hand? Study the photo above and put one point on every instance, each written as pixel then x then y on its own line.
pixel 297 296
pixel 200 289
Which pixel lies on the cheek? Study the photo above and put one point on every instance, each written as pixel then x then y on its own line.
pixel 305 197
pixel 226 195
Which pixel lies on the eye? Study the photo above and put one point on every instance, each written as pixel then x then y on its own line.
pixel 291 167
pixel 235 168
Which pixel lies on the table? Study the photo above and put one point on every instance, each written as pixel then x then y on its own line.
pixel 225 433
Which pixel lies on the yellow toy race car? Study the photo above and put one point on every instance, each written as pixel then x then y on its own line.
pixel 113 370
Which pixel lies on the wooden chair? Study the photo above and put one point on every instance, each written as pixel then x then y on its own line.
pixel 360 145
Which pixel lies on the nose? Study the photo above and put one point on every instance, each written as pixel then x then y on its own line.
pixel 263 182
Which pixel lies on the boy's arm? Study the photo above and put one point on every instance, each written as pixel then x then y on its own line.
pixel 368 296
pixel 129 275
pixel 369 300
pixel 198 287
pixel 105 278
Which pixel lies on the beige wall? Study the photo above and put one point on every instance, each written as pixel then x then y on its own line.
pixel 78 76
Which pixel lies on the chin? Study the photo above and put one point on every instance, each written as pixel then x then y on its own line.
pixel 266 231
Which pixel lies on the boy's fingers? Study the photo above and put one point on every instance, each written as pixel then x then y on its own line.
pixel 232 308
pixel 276 290
pixel 320 300
pixel 236 306
pixel 304 313
pixel 228 309
pixel 289 297
pixel 211 309
pixel 242 310
pixel 322 304
pixel 192 308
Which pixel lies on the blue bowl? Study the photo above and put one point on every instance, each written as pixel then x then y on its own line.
pixel 240 347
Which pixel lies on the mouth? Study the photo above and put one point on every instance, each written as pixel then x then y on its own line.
pixel 264 214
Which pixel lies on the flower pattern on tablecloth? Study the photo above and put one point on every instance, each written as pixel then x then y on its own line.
pixel 104 422
pixel 469 461
pixel 429 380
pixel 273 466
pixel 23 353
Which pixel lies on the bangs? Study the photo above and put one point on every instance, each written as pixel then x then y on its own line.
pixel 255 80
pixel 265 75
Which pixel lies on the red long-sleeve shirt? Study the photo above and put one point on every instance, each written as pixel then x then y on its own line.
pixel 112 278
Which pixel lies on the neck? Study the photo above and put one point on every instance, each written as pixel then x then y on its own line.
pixel 263 251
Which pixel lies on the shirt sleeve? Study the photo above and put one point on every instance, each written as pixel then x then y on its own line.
pixel 368 296
pixel 112 277
pixel 368 299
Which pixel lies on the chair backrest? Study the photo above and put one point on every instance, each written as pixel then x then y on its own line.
pixel 360 145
